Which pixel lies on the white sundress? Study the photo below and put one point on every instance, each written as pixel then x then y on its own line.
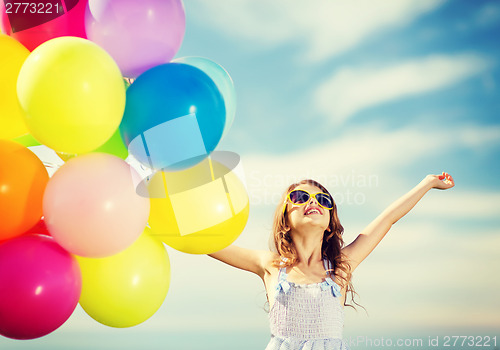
pixel 306 316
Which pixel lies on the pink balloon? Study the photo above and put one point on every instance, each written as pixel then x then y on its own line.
pixel 91 207
pixel 33 23
pixel 137 34
pixel 40 285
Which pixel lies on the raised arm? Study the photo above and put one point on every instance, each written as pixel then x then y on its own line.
pixel 371 236
pixel 246 259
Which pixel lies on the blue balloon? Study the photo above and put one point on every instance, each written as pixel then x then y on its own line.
pixel 174 117
pixel 223 81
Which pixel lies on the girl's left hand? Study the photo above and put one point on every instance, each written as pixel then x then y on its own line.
pixel 442 182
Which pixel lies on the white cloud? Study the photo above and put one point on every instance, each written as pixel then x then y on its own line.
pixel 366 158
pixel 324 27
pixel 352 89
pixel 423 276
pixel 463 204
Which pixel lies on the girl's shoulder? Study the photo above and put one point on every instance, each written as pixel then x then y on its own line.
pixel 269 261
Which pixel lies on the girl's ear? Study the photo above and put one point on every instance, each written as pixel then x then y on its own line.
pixel 287 228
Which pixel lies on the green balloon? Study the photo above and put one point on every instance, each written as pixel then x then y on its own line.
pixel 115 146
pixel 26 140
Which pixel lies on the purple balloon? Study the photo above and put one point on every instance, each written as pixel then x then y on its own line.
pixel 137 34
pixel 40 285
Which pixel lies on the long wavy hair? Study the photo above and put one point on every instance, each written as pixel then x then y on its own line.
pixel 331 248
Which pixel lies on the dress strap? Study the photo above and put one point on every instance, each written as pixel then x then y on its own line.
pixel 329 283
pixel 283 284
pixel 326 264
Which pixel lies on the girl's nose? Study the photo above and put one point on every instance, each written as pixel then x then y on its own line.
pixel 313 200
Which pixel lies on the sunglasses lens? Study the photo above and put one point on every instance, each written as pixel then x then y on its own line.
pixel 324 200
pixel 299 197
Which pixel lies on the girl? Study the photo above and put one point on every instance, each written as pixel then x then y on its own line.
pixel 309 275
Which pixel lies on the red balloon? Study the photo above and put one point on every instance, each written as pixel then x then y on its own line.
pixel 33 23
pixel 40 285
pixel 40 228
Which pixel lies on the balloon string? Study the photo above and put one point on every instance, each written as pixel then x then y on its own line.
pixel 147 151
pixel 51 165
pixel 169 203
pixel 211 168
pixel 223 178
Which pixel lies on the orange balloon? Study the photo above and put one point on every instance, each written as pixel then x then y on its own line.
pixel 22 182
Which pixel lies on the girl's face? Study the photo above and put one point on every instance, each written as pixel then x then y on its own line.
pixel 308 215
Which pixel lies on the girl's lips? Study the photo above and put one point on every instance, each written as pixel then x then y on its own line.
pixel 313 208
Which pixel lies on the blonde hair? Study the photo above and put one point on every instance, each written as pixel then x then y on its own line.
pixel 331 248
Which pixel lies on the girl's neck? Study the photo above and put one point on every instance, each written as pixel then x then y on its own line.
pixel 308 249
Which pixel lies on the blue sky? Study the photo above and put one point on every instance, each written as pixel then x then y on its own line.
pixel 368 97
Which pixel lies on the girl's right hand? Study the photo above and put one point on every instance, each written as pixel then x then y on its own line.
pixel 441 182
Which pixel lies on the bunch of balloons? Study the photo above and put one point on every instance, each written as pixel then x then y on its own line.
pixel 93 232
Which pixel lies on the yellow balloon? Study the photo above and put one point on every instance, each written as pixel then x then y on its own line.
pixel 126 289
pixel 72 93
pixel 12 56
pixel 199 210
pixel 66 156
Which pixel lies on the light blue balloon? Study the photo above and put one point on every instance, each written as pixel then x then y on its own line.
pixel 223 81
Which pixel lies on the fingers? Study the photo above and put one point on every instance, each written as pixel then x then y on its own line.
pixel 443 181
pixel 448 179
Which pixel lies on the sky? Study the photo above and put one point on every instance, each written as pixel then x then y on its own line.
pixel 368 97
